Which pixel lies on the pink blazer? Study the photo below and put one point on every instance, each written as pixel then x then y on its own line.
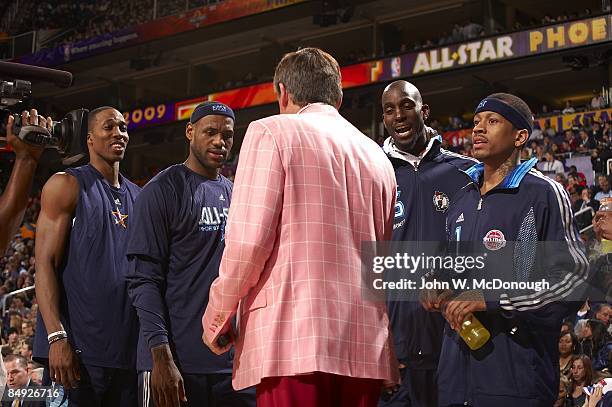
pixel 309 189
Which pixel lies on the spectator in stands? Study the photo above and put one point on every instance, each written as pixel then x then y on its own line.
pixel 582 375
pixel 551 165
pixel 36 376
pixel 602 312
pixel 604 188
pixel 574 192
pixel 604 356
pixel 567 326
pixel 598 101
pixel 536 135
pixel 12 345
pixel 568 108
pixel 593 338
pixel 580 177
pixel 472 30
pixel 546 144
pixel 26 349
pixel 27 328
pixel 596 132
pixel 15 321
pixel 565 148
pixel 599 160
pixel 18 304
pixel 18 377
pixel 568 344
pixel 549 130
pixel 561 179
pixel 585 142
pixel 570 138
pixel 588 200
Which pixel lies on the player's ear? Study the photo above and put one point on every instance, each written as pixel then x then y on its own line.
pixel 189 132
pixel 521 137
pixel 425 111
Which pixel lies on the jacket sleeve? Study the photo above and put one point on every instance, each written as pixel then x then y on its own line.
pixel 251 227
pixel 147 252
pixel 560 260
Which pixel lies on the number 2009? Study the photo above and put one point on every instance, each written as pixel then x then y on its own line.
pixel 148 113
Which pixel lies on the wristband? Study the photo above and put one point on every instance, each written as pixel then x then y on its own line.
pixel 57 338
pixel 57 335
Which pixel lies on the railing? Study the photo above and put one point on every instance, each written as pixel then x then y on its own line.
pixel 22 44
pixel 585 210
pixel 12 294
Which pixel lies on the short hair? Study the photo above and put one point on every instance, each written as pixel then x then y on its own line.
pixel 18 358
pixel 598 307
pixel 91 116
pixel 29 342
pixel 517 103
pixel 309 75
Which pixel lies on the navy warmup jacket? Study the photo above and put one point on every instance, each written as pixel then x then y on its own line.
pixel 519 366
pixel 423 197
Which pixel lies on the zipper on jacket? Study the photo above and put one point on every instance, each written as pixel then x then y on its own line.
pixel 416 182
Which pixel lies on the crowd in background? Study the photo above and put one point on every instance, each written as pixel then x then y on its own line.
pixel 17 296
pixel 85 19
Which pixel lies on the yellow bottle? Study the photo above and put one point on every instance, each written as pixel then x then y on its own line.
pixel 606 245
pixel 473 332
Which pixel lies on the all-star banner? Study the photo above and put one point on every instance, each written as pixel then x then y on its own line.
pixel 504 47
pixel 521 44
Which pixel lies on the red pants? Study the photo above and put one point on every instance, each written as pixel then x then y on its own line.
pixel 318 390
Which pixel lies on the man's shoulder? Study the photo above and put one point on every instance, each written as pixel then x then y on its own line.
pixel 459 161
pixel 130 185
pixel 539 186
pixel 169 179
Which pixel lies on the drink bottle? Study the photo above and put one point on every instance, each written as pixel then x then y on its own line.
pixel 473 332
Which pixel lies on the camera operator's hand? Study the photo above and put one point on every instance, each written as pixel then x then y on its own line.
pixel 25 151
pixel 63 364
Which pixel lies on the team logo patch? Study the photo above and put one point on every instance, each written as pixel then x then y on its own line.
pixel 440 201
pixel 494 240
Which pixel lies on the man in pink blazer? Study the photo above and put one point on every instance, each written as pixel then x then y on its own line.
pixel 309 189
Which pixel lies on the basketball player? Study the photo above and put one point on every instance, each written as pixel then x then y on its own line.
pixel 177 239
pixel 89 342
pixel 428 177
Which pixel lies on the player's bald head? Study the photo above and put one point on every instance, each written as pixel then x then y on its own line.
pixel 406 88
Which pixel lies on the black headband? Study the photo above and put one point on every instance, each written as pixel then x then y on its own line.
pixel 211 108
pixel 518 120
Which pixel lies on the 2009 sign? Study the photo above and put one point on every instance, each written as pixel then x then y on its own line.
pixel 148 115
